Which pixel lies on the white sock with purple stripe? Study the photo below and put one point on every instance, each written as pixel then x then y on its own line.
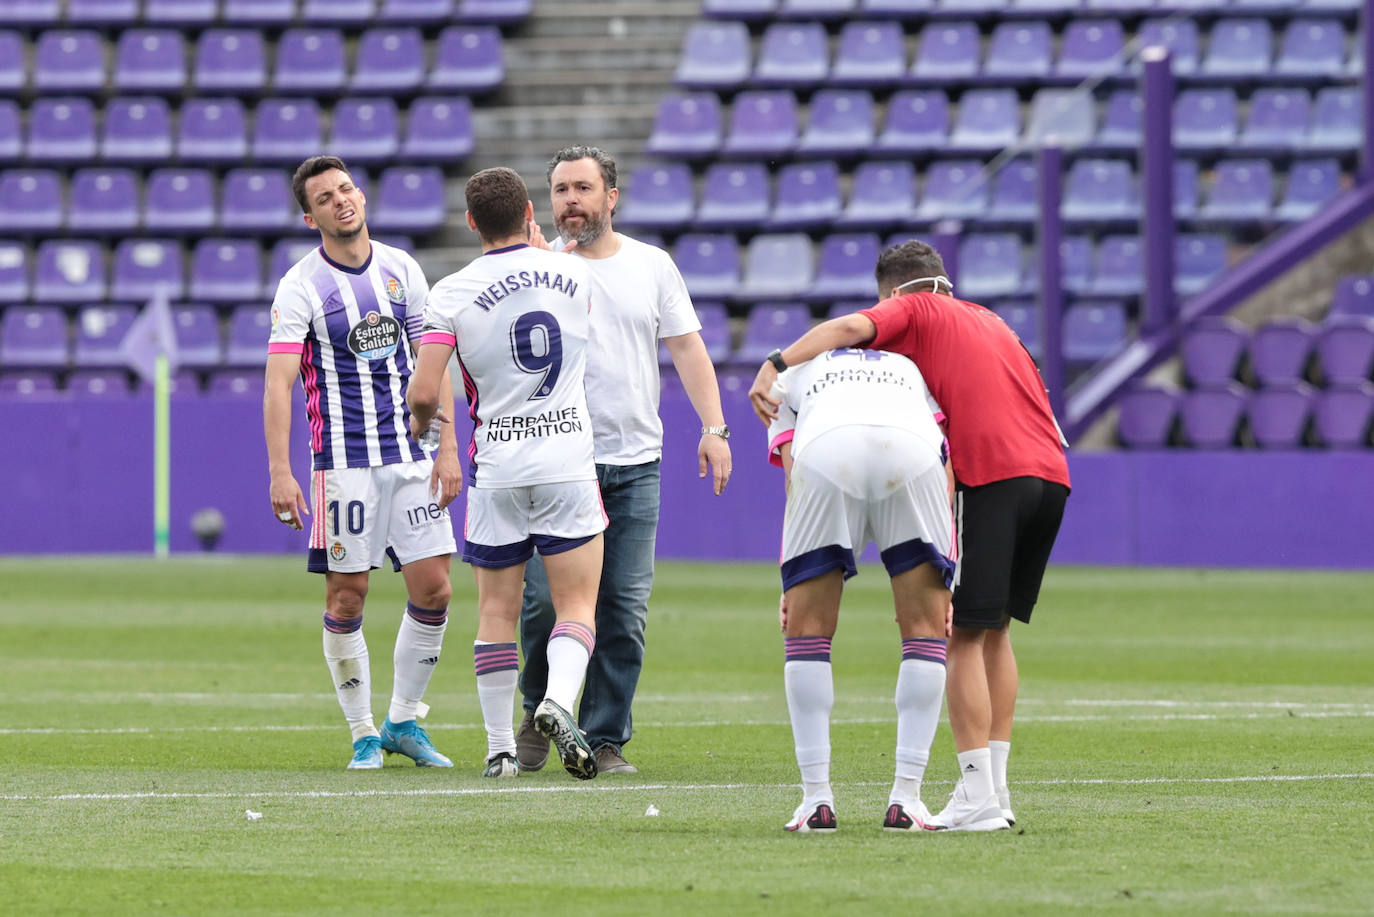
pixel 345 652
pixel 920 691
pixel 418 643
pixel 498 670
pixel 570 647
pixel 810 689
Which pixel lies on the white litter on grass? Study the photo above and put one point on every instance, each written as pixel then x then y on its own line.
pixel 251 815
pixel 651 812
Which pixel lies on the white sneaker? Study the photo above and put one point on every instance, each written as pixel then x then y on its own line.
pixel 813 817
pixel 910 815
pixel 964 814
pixel 1004 802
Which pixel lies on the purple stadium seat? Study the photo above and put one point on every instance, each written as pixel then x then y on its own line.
pixel 69 271
pixel 1089 48
pixel 1312 183
pixel 954 189
pixel 1100 191
pixel 212 130
pixel 1337 119
pixel 895 9
pixel 658 195
pixel 1278 417
pixel 61 130
pixel 266 13
pixel 355 13
pixel 180 200
pixel 917 121
pixel 230 61
pixel 1023 319
pixel 869 54
pixel 468 59
pixel 1312 47
pixel 1147 417
pixel 32 12
pixel 11 134
pixel 739 9
pixel 226 270
pixel 1239 48
pixel 881 196
pixel 687 125
pixel 762 123
pixel 1198 258
pixel 150 60
pixel 845 268
pixel 1043 8
pixel 198 335
pixel 734 196
pixel 103 201
pixel 1280 349
pixel 14 272
pixel 792 55
pixel 28 384
pixel 777 265
pixel 416 12
pixel 98 383
pixel 285 253
pixel 1014 193
pixel 13 67
pixel 1094 330
pixel 257 200
pixel 249 327
pixel 770 325
pixel 1343 416
pixel 709 263
pixel 947 51
pixel 142 267
pixel 1205 119
pixel 989 120
pixel 1179 35
pixel 1353 296
pixel 237 383
pixel 69 60
pixel 840 124
pixel 365 130
pixel 184 14
pixel 1210 418
pixel 1122 116
pixel 1242 190
pixel 389 60
pixel 410 200
pixel 497 12
pixel 1186 182
pixel 33 336
pixel 137 130
pixel 310 60
pixel 715 55
pixel 439 129
pixel 102 12
pixel 990 265
pixel 286 130
pixel 1068 116
pixel 817 9
pixel 1277 116
pixel 1345 350
pixel 1019 51
pixel 1211 351
pixel 808 197
pixel 100 331
pixel 1075 267
pixel 1118 267
pixel 30 201
pixel 969 8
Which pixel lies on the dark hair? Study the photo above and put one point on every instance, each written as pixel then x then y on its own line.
pixel 604 161
pixel 907 261
pixel 315 165
pixel 496 199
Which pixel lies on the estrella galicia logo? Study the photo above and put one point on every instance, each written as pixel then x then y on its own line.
pixel 394 291
pixel 375 337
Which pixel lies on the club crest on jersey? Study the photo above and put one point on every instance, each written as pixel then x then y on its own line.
pixel 375 337
pixel 336 551
pixel 394 291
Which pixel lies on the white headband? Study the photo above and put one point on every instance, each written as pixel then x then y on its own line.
pixel 934 283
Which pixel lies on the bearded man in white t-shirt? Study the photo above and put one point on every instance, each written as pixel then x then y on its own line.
pixel 640 299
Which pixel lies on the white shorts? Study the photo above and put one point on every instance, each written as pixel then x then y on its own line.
pixel 858 483
pixel 362 515
pixel 506 524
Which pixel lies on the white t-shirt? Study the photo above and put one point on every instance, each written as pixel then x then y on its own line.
pixel 853 387
pixel 640 297
pixel 518 318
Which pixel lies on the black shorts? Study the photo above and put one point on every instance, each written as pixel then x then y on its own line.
pixel 1006 530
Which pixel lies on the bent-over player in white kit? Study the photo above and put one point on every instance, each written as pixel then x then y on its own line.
pixel 517 317
pixel 346 319
pixel 857 436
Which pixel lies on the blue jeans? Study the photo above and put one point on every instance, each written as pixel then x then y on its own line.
pixel 630 495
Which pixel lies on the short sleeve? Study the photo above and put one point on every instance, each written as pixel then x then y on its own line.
pixel 675 314
pixel 784 426
pixel 893 320
pixel 291 313
pixel 417 294
pixel 440 315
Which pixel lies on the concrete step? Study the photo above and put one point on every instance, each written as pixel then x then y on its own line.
pixel 609 54
pixel 562 19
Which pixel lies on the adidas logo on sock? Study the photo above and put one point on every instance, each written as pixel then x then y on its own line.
pixel 352 683
pixel 432 660
pixel 971 767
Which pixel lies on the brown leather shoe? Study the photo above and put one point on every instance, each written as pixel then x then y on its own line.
pixel 609 760
pixel 531 748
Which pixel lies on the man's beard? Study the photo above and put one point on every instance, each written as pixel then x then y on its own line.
pixel 593 227
pixel 347 235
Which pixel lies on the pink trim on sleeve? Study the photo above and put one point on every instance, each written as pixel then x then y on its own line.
pixel 939 416
pixel 439 337
pixel 774 453
pixel 296 347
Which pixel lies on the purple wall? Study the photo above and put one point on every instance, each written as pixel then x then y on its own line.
pixel 79 478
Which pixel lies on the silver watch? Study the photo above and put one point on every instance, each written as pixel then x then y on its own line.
pixel 723 431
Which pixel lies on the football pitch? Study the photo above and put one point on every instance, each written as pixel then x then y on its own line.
pixel 1188 742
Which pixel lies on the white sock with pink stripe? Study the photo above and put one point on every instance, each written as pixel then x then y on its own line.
pixel 498 670
pixel 570 647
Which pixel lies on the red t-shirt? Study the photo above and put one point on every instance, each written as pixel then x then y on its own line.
pixel 1000 423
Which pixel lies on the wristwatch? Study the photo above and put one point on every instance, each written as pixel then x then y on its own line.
pixel 776 359
pixel 723 431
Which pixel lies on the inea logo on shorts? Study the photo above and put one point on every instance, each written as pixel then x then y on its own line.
pixel 336 551
pixel 375 337
pixel 394 291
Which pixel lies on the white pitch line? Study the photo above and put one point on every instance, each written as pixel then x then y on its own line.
pixel 627 787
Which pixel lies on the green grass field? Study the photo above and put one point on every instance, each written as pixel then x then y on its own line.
pixel 1189 742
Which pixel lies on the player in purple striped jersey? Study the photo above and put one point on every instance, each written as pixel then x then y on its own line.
pixel 346 319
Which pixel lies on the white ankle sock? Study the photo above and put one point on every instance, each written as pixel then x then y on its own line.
pixel 346 655
pixel 1000 752
pixel 975 769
